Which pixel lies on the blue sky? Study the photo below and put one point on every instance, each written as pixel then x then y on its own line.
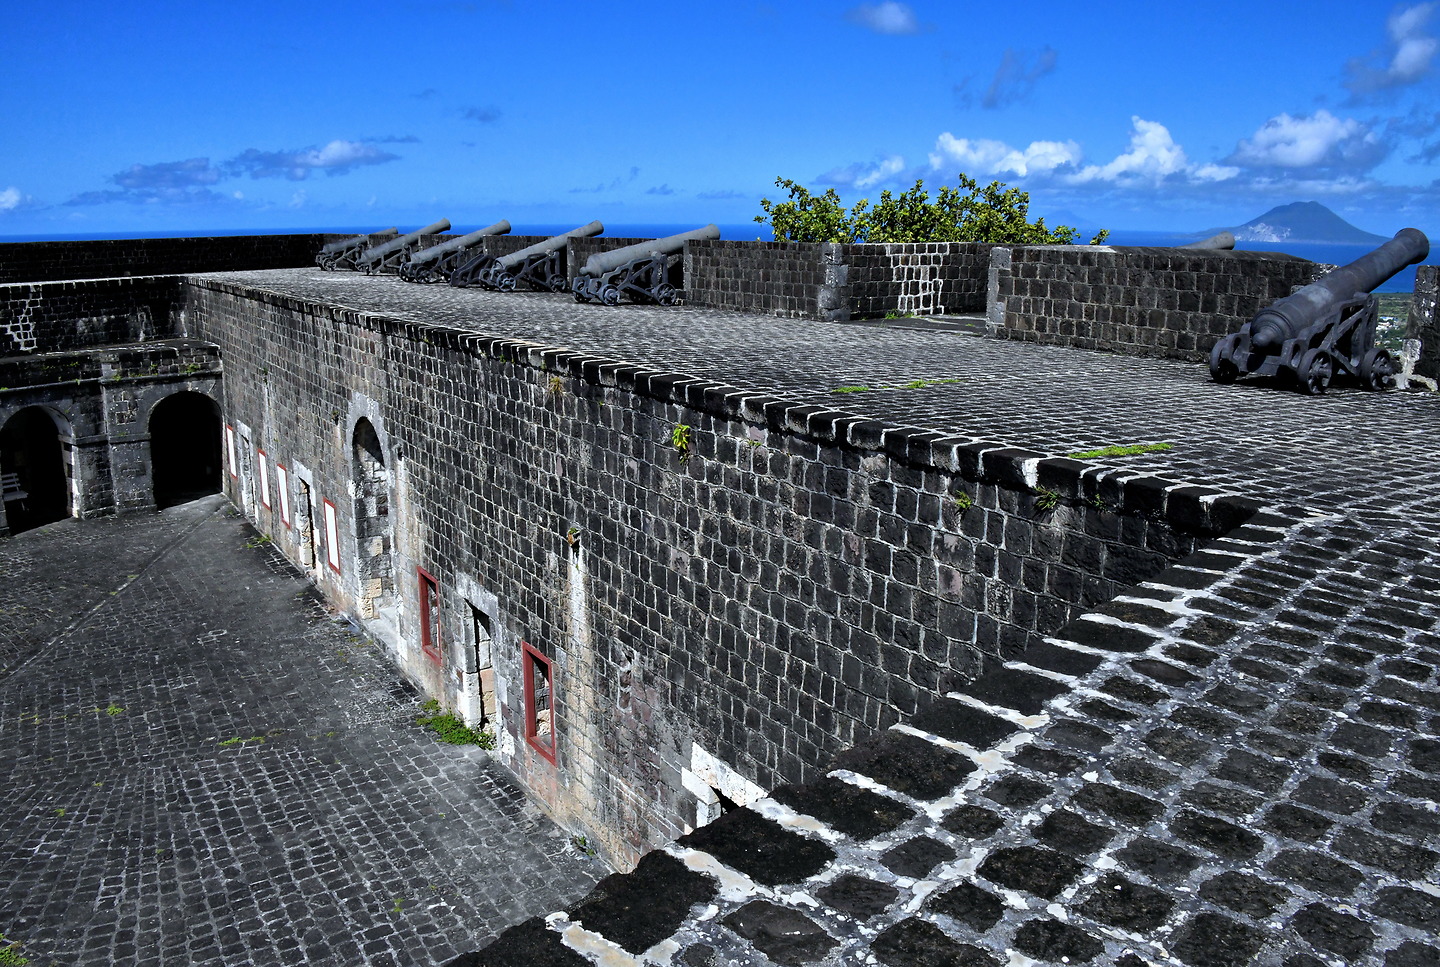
pixel 208 116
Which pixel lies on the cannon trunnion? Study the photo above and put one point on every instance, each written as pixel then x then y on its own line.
pixel 438 262
pixel 640 271
pixel 1325 329
pixel 539 266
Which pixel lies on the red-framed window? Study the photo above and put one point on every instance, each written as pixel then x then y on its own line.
pixel 332 538
pixel 230 452
pixel 539 675
pixel 430 643
pixel 264 478
pixel 282 478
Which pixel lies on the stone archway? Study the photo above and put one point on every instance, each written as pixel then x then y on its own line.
pixel 184 448
pixel 33 481
pixel 375 596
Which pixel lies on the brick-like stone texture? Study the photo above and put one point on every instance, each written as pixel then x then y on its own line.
pixel 1137 301
pixel 51 261
pixel 66 316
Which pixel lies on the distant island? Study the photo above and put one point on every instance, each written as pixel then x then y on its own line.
pixel 1305 222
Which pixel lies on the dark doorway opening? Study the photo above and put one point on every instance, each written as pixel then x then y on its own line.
pixel 184 448
pixel 32 470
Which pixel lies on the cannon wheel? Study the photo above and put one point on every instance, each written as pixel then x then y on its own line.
pixel 578 288
pixel 506 283
pixel 610 295
pixel 1377 369
pixel 1222 360
pixel 1314 372
pixel 665 294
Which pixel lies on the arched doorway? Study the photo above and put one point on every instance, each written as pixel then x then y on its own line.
pixel 372 523
pixel 32 470
pixel 184 448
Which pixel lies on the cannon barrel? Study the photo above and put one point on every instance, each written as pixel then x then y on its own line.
pixel 501 227
pixel 344 243
pixel 549 245
pixel 1287 317
pixel 379 252
pixel 1218 241
pixel 602 262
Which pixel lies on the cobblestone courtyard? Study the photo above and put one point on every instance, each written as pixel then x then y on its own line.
pixel 203 766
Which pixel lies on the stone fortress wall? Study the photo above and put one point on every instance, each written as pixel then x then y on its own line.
pixel 715 619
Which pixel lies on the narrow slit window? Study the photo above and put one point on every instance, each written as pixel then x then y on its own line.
pixel 264 462
pixel 282 479
pixel 430 643
pixel 332 538
pixel 539 702
pixel 230 452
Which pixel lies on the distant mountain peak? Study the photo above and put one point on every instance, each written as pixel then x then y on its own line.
pixel 1307 222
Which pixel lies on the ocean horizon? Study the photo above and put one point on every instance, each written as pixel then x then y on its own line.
pixel 1329 253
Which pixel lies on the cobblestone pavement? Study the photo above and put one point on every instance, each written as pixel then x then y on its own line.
pixel 203 766
pixel 1235 763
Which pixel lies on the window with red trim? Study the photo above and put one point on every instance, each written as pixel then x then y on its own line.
pixel 429 615
pixel 539 701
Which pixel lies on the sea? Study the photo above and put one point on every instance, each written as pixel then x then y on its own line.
pixel 1334 254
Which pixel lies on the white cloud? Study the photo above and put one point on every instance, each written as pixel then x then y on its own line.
pixel 888 168
pixel 1153 156
pixel 885 18
pixel 861 175
pixel 1319 141
pixel 984 156
pixel 1406 59
pixel 335 158
pixel 10 199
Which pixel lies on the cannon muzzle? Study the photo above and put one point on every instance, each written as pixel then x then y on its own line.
pixel 341 244
pixel 603 262
pixel 1220 241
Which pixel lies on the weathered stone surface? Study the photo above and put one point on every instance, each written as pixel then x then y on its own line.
pixel 1055 941
pixel 972 906
pixel 1130 906
pixel 858 896
pixel 1331 930
pixel 907 764
pixel 784 935
pixel 916 857
pixel 759 848
pixel 1033 869
pixel 856 812
pixel 642 908
pixel 918 943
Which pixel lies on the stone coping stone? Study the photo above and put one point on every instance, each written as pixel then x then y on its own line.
pixel 639 909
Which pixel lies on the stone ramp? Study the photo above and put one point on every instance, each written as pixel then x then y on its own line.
pixel 1235 763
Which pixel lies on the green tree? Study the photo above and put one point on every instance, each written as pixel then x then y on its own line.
pixel 967 213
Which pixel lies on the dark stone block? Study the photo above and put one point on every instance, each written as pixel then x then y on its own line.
pixel 1106 637
pixel 858 813
pixel 973 822
pixel 971 905
pixel 960 722
pixel 1159 861
pixel 1047 760
pixel 762 850
pixel 1331 930
pixel 1034 869
pixel 1412 953
pixel 907 764
pixel 1070 833
pixel 1206 720
pixel 528 942
pixel 858 896
pixel 1130 690
pixel 783 934
pixel 1079 735
pixel 1244 893
pixel 1121 804
pixel 1014 790
pixel 1142 772
pixel 1407 820
pixel 1392 855
pixel 1296 823
pixel 1330 795
pixel 1252 770
pixel 1066 661
pixel 1317 871
pixel 1413 908
pixel 1130 906
pixel 1210 940
pixel 916 857
pixel 1425 755
pixel 1216 835
pixel 918 943
pixel 1055 941
pixel 639 909
pixel 1211 631
pixel 1021 691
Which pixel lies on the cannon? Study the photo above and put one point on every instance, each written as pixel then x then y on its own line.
pixel 1220 241
pixel 343 252
pixel 438 261
pixel 640 270
pixel 539 265
pixel 1325 329
pixel 392 253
